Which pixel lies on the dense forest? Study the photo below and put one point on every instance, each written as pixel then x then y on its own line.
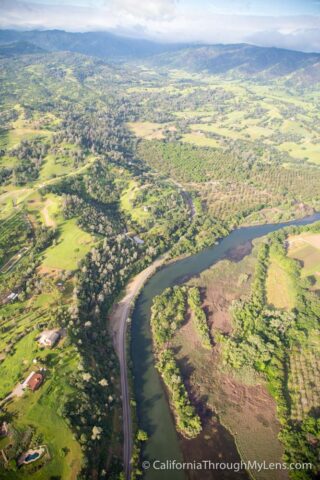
pixel 168 313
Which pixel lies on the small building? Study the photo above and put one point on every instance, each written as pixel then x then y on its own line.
pixel 12 296
pixel 49 338
pixel 34 381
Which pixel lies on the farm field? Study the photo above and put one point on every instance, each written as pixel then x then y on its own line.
pixel 280 288
pixel 250 113
pixel 197 138
pixel 303 382
pixel 303 379
pixel 306 249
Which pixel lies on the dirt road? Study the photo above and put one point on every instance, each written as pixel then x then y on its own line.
pixel 187 198
pixel 119 318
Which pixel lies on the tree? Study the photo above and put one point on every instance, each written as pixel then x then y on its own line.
pixel 142 436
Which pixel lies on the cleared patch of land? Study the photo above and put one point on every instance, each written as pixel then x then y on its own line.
pixel 306 249
pixel 147 130
pixel 279 286
pixel 73 243
pixel 198 138
pixel 130 204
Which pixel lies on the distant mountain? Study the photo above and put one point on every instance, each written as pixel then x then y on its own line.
pixel 248 60
pixel 99 44
pixel 19 48
pixel 244 60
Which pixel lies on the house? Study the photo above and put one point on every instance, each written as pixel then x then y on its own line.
pixel 12 296
pixel 34 381
pixel 49 338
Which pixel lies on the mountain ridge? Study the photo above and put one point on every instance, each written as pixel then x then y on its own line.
pixel 104 45
pixel 249 61
pixel 238 58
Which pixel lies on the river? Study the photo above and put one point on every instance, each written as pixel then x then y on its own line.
pixel 153 410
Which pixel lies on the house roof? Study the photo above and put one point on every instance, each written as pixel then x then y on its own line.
pixel 49 336
pixel 35 381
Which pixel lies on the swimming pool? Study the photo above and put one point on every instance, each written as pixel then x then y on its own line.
pixel 31 457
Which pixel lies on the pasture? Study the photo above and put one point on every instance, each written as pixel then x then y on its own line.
pixel 72 245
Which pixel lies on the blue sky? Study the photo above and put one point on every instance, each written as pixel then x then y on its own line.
pixel 283 23
pixel 253 7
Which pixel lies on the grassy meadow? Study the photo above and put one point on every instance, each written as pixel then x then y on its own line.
pixel 280 287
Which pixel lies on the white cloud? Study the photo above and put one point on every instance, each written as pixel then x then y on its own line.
pixel 300 39
pixel 148 10
pixel 166 20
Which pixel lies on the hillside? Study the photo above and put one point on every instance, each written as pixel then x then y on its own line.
pixel 100 44
pixel 68 192
pixel 19 48
pixel 247 60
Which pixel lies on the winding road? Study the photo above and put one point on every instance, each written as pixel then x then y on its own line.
pixel 119 319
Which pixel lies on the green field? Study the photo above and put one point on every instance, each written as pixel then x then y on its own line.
pixel 128 203
pixel 73 243
pixel 39 410
pixel 16 365
pixel 279 286
pixel 199 139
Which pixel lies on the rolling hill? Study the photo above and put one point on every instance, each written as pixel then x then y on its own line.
pixel 247 60
pixel 19 48
pixel 99 44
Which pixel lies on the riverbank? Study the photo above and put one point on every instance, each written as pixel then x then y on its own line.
pixel 153 410
pixel 118 324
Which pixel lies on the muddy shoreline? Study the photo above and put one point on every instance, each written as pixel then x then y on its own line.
pixel 215 443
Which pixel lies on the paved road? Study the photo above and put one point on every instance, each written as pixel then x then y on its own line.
pixel 18 391
pixel 119 319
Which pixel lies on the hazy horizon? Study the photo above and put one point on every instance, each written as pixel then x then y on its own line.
pixel 293 24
